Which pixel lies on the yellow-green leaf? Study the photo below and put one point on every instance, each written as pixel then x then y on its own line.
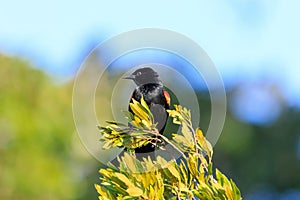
pixel 205 145
pixel 134 191
pixel 174 171
pixel 129 160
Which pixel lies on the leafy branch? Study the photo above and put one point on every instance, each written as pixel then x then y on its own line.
pixel 190 178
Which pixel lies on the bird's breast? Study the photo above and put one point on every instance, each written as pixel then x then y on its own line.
pixel 153 94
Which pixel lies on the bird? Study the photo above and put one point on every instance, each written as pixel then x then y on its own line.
pixel 151 88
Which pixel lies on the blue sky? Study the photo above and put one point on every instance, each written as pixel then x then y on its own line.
pixel 232 32
pixel 246 39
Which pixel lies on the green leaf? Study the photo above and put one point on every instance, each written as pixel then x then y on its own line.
pixel 187 133
pixel 174 171
pixel 128 115
pixel 142 111
pixel 204 144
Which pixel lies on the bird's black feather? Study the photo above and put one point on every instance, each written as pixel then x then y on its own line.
pixel 151 88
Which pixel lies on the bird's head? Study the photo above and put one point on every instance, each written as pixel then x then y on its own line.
pixel 144 76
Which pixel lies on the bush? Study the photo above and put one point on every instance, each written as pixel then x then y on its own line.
pixel 191 177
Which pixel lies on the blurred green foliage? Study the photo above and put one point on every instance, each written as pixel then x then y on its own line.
pixel 39 156
pixel 261 157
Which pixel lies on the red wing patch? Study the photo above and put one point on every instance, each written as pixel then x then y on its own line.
pixel 167 96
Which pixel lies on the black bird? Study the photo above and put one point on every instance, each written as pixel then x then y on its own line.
pixel 157 98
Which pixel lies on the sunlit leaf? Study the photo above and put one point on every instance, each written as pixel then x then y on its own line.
pixel 174 171
pixel 134 191
pixel 204 144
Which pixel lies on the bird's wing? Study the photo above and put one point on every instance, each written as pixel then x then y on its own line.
pixel 159 114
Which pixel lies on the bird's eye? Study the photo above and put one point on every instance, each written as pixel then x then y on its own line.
pixel 139 73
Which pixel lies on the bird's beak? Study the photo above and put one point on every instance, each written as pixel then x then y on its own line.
pixel 131 76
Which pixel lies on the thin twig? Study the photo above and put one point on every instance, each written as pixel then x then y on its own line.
pixel 156 133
